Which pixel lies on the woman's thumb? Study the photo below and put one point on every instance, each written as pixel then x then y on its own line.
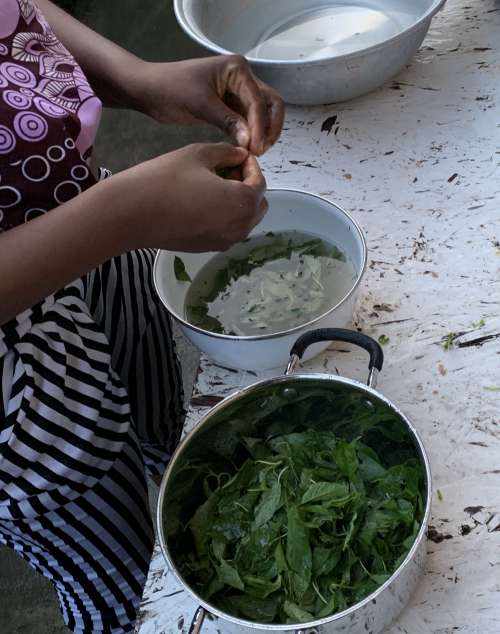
pixel 229 121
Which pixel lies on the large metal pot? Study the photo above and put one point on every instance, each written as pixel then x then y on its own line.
pixel 215 433
pixel 313 53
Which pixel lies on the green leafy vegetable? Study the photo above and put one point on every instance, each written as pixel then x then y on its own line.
pixel 268 505
pixel 449 341
pixel 180 270
pixel 298 552
pixel 198 315
pixel 306 522
pixel 383 340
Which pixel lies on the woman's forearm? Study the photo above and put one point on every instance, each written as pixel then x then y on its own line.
pixel 175 201
pixel 114 73
pixel 219 90
pixel 47 253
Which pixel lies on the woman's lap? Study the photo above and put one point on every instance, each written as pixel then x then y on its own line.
pixel 95 549
pixel 122 300
pixel 82 389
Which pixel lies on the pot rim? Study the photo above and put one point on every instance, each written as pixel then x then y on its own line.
pixel 357 606
pixel 435 7
pixel 283 333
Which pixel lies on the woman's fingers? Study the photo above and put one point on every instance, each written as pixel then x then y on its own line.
pixel 222 155
pixel 275 115
pixel 253 176
pixel 244 93
pixel 229 120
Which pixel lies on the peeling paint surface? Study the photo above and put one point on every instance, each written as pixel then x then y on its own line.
pixel 418 166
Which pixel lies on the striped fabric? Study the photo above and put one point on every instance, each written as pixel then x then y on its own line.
pixel 91 393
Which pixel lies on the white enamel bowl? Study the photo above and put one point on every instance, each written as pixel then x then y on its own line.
pixel 288 210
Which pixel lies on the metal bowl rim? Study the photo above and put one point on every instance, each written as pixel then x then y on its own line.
pixel 357 606
pixel 212 46
pixel 295 329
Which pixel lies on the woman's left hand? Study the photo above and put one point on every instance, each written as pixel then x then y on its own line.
pixel 221 91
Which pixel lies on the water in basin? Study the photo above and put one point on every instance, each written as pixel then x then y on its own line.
pixel 332 29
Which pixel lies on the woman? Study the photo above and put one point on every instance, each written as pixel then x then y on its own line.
pixel 90 381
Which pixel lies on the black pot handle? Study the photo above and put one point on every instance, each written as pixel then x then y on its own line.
pixel 339 334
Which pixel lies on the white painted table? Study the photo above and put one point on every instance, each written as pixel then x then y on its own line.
pixel 418 165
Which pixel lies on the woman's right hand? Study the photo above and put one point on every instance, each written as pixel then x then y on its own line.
pixel 177 201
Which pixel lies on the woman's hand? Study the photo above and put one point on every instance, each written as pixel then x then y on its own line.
pixel 177 201
pixel 221 91
pixel 218 90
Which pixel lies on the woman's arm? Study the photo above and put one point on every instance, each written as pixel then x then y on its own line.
pixel 112 71
pixel 175 201
pixel 220 91
pixel 43 255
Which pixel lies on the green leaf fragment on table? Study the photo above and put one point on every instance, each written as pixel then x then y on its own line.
pixel 180 270
pixel 383 340
pixel 449 341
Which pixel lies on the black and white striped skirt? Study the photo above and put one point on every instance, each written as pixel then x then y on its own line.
pixel 91 395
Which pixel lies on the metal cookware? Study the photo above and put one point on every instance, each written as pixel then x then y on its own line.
pixel 288 210
pixel 217 434
pixel 316 52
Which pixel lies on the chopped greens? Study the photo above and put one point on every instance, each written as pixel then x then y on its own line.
pixel 383 340
pixel 449 341
pixel 269 283
pixel 299 521
pixel 180 270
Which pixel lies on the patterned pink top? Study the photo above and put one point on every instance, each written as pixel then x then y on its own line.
pixel 49 117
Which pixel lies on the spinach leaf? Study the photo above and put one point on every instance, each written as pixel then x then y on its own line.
pixel 297 614
pixel 257 587
pixel 268 505
pixel 260 610
pixel 200 521
pixel 298 548
pixel 180 270
pixel 198 316
pixel 229 576
pixel 347 459
pixel 325 491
